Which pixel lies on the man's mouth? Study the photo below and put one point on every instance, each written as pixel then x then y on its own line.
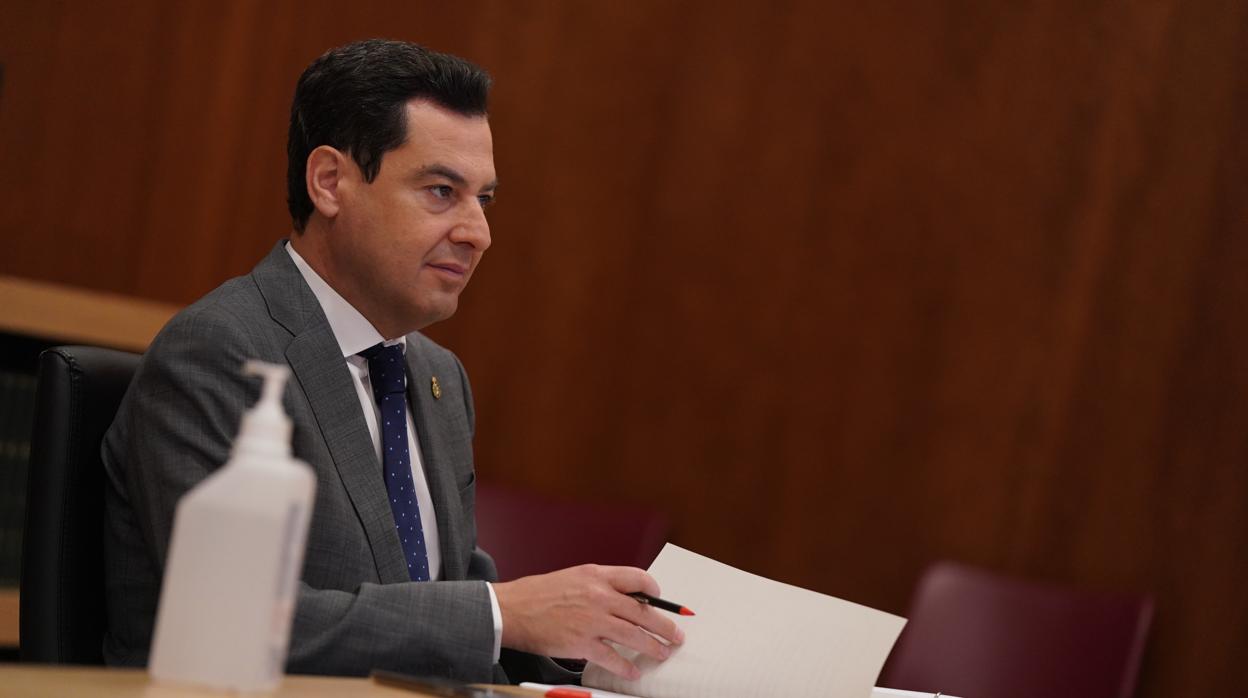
pixel 452 268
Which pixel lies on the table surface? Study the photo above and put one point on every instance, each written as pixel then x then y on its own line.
pixel 46 681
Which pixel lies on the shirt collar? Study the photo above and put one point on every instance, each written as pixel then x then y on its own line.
pixel 352 330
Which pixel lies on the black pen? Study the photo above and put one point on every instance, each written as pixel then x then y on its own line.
pixel 660 603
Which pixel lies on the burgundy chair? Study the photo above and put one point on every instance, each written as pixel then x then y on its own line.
pixel 975 634
pixel 530 534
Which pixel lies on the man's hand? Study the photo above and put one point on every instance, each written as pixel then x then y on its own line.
pixel 573 612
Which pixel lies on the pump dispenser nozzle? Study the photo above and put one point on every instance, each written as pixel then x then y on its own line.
pixel 266 428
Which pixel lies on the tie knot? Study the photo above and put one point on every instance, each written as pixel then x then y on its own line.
pixel 381 350
pixel 386 368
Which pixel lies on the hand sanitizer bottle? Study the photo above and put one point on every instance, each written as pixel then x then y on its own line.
pixel 235 557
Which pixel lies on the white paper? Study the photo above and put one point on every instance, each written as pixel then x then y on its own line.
pixel 754 637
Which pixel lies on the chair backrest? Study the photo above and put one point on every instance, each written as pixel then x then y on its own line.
pixel 531 534
pixel 62 592
pixel 977 634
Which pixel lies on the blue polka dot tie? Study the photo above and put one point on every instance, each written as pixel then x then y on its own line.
pixel 389 378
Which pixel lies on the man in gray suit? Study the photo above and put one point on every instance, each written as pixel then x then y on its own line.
pixel 390 171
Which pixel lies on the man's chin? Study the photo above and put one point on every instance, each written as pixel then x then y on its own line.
pixel 436 312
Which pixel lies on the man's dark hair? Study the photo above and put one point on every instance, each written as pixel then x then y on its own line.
pixel 354 98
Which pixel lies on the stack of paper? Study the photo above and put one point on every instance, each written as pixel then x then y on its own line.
pixel 755 637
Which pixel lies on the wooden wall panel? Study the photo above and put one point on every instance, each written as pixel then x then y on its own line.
pixel 869 284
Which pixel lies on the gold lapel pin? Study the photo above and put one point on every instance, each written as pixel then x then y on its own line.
pixel 437 389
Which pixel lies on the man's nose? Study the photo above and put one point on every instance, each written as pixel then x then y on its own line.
pixel 473 228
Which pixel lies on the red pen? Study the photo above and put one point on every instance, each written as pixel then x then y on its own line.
pixel 447 688
pixel 567 692
pixel 660 603
pixel 555 691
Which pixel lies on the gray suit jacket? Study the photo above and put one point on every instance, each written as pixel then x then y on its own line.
pixel 356 609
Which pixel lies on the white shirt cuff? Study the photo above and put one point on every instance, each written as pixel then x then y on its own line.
pixel 498 622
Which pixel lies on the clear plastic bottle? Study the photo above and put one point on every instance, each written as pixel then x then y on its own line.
pixel 235 557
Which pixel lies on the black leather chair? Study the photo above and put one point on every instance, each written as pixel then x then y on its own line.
pixel 62 593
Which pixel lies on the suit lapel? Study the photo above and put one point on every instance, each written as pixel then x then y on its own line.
pixel 440 478
pixel 318 366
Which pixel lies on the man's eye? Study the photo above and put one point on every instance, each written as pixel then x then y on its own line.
pixel 486 200
pixel 442 191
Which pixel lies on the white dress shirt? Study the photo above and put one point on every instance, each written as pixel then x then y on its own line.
pixel 355 334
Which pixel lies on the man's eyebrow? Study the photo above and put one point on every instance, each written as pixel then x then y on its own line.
pixel 451 174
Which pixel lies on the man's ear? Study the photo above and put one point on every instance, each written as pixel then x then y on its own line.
pixel 325 170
